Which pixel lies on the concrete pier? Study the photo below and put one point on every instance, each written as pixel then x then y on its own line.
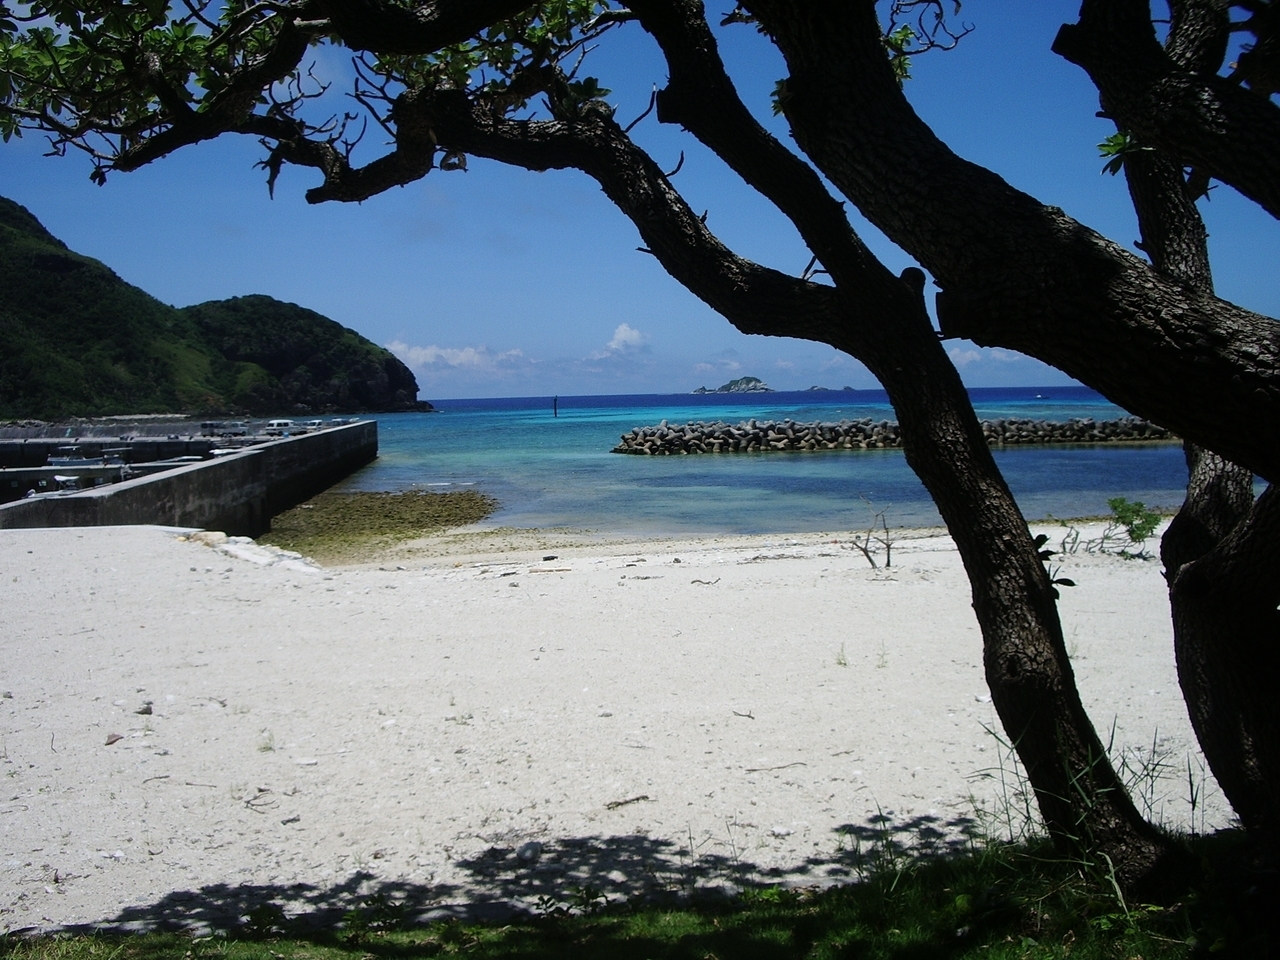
pixel 238 493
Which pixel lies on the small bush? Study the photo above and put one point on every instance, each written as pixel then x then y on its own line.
pixel 1138 522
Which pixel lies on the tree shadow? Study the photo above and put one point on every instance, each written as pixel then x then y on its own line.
pixel 531 878
pixel 634 866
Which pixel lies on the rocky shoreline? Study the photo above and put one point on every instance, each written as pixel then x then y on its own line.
pixel 866 434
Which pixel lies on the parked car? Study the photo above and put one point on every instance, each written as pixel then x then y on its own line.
pixel 222 428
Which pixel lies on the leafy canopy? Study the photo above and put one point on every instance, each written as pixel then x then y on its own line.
pixel 129 81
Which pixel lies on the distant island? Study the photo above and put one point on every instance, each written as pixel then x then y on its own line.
pixel 756 385
pixel 741 385
pixel 76 340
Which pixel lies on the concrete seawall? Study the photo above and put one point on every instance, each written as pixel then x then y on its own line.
pixel 238 493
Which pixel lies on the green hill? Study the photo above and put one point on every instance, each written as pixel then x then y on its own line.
pixel 75 339
pixel 280 356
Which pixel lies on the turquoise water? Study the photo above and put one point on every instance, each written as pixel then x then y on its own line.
pixel 558 471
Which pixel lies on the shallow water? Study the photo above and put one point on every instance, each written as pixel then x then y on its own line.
pixel 558 471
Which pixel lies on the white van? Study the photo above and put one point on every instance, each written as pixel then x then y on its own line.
pixel 278 428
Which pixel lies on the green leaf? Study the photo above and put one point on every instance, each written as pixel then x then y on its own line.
pixel 1118 147
pixel 779 96
pixel 898 43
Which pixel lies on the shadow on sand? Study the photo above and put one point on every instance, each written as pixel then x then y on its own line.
pixel 578 872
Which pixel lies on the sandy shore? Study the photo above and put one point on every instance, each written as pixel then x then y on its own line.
pixel 468 725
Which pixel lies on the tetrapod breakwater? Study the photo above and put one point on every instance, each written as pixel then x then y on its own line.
pixel 751 436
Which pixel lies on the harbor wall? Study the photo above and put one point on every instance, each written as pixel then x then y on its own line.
pixel 238 493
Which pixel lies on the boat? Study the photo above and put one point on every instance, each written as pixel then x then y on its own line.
pixel 70 457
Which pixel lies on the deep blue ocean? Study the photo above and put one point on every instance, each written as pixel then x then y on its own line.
pixel 550 471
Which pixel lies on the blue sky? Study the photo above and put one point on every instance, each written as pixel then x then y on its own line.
pixel 500 282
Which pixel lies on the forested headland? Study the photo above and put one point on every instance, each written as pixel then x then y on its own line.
pixel 77 340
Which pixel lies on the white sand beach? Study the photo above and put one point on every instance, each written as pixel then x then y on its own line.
pixel 464 732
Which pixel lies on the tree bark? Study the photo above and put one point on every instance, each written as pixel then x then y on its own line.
pixel 415 28
pixel 1223 567
pixel 1028 672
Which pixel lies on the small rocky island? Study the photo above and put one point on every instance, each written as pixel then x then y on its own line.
pixel 759 436
pixel 741 385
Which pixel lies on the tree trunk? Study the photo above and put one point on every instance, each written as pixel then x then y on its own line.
pixel 1223 566
pixel 1085 808
pixel 1219 562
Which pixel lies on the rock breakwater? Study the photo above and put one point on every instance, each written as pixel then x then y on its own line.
pixel 866 434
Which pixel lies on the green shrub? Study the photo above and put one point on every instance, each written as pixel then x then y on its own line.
pixel 1138 522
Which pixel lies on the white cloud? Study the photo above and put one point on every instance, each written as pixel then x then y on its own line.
pixel 626 337
pixel 962 356
pixel 451 358
pixel 836 361
pixel 722 367
pixel 784 364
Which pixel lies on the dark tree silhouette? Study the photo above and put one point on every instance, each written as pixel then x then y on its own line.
pixel 1219 553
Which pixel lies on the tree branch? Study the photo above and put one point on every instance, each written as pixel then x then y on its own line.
pixel 1196 118
pixel 755 299
pixel 230 109
pixel 700 97
pixel 1198 34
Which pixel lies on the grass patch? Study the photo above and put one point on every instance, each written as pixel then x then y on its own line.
pixel 996 901
pixel 351 527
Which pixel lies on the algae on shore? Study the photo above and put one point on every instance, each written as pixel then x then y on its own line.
pixel 354 527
